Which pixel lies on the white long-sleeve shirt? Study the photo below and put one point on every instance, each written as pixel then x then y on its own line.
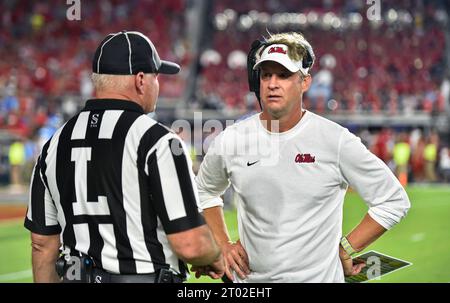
pixel 290 190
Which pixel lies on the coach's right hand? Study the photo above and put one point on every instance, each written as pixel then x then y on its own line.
pixel 236 259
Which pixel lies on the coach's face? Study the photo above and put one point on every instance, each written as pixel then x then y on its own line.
pixel 281 90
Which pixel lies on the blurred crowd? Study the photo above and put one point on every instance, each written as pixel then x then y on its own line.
pixel 394 67
pixel 45 57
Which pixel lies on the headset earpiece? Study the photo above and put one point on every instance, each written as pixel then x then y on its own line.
pixel 253 75
pixel 310 57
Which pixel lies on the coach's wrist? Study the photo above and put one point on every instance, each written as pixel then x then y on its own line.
pixel 347 246
pixel 225 242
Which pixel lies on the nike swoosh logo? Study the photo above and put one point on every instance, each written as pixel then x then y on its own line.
pixel 250 164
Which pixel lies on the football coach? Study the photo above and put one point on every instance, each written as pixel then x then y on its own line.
pixel 290 170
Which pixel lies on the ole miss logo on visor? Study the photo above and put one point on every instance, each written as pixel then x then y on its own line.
pixel 276 49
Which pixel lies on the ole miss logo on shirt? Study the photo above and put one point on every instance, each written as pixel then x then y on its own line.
pixel 305 158
pixel 277 49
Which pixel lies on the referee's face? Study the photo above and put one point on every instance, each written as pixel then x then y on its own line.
pixel 281 90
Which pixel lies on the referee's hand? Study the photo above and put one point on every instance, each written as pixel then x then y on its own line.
pixel 236 259
pixel 215 270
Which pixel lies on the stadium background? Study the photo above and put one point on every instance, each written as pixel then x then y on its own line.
pixel 382 71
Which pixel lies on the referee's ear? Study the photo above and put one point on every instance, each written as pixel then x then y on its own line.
pixel 139 83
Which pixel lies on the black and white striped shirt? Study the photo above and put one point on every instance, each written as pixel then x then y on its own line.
pixel 114 182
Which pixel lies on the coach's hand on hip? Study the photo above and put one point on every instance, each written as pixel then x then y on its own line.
pixel 236 259
pixel 350 269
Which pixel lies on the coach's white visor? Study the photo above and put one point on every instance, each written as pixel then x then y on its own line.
pixel 279 53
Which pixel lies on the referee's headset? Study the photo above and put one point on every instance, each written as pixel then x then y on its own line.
pixel 255 52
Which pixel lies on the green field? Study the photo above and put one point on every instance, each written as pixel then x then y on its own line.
pixel 422 238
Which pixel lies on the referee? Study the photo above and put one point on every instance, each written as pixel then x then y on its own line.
pixel 112 196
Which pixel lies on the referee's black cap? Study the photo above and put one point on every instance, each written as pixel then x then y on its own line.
pixel 128 53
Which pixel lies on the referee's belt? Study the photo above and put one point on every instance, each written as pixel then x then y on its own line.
pixel 162 276
pixel 88 272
